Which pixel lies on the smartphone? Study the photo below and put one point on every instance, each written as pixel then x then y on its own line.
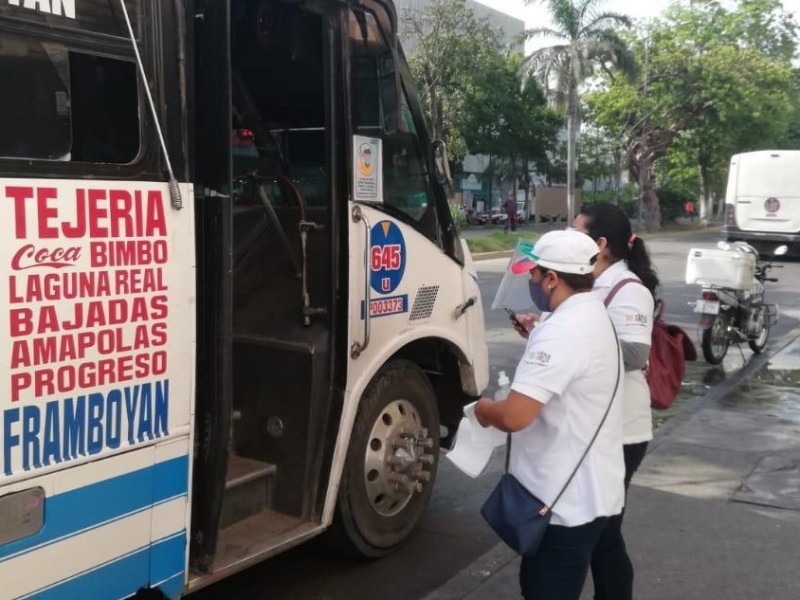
pixel 513 316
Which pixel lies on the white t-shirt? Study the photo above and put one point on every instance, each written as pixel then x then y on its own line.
pixel 570 366
pixel 631 311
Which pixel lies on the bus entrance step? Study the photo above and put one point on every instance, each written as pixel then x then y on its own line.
pixel 247 489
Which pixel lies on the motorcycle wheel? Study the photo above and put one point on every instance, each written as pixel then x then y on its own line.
pixel 758 344
pixel 715 340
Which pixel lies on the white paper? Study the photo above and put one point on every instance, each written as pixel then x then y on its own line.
pixel 474 444
pixel 483 436
pixel 469 458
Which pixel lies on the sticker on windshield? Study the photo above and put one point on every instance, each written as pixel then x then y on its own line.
pixel 367 169
pixel 387 257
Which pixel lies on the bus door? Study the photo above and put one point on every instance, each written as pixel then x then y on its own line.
pixel 409 336
pixel 264 71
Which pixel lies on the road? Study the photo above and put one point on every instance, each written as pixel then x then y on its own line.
pixel 452 533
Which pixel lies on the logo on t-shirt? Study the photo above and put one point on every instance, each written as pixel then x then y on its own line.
pixel 636 319
pixel 538 357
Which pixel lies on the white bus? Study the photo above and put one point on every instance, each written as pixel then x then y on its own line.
pixel 762 201
pixel 236 309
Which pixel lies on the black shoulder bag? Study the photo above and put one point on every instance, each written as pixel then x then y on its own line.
pixel 519 517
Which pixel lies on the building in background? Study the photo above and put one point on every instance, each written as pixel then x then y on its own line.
pixel 511 26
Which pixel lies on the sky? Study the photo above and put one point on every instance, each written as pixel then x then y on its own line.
pixel 535 15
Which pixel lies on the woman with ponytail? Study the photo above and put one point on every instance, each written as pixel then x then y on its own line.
pixel 623 256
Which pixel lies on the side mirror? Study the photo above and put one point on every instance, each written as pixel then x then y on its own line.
pixel 781 250
pixel 723 245
pixel 442 162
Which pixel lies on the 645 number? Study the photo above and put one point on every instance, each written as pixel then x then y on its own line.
pixel 386 258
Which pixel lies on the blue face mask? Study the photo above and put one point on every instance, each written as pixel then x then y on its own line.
pixel 540 299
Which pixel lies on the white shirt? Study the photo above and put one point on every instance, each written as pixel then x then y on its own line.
pixel 631 311
pixel 570 366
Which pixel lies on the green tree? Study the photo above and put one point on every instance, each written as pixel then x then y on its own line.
pixel 711 88
pixel 451 47
pixel 587 41
pixel 747 55
pixel 508 117
pixel 599 159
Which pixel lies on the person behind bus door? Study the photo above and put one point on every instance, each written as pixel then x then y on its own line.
pixel 510 208
pixel 562 387
pixel 689 209
pixel 623 255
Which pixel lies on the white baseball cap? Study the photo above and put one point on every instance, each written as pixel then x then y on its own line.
pixel 565 251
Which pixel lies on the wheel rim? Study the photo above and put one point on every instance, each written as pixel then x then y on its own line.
pixel 395 459
pixel 719 338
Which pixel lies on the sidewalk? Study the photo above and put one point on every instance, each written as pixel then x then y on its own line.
pixel 714 511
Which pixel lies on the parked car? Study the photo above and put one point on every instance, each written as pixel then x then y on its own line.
pixel 479 218
pixel 498 216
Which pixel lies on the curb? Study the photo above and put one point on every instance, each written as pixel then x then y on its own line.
pixel 701 401
pixel 495 559
pixel 491 255
pixel 507 253
pixel 475 574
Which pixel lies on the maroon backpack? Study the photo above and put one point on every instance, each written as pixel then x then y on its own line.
pixel 670 348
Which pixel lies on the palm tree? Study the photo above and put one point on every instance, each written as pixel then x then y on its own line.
pixel 587 41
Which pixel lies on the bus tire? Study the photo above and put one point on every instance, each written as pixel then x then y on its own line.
pixel 391 462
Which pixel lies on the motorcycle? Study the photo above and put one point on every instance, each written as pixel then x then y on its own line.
pixel 732 307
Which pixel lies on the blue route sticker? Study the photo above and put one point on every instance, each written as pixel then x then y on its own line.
pixel 387 257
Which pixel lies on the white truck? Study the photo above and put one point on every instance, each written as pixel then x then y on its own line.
pixel 762 201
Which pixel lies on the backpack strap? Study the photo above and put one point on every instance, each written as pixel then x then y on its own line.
pixel 619 285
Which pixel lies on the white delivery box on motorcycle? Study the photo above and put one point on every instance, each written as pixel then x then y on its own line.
pixel 713 267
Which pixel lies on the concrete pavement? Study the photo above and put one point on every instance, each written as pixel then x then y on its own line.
pixel 714 511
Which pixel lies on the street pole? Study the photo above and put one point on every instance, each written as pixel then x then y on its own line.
pixel 643 142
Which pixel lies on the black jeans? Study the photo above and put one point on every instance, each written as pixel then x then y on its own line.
pixel 558 570
pixel 612 570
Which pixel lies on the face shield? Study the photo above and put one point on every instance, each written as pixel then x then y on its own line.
pixel 513 291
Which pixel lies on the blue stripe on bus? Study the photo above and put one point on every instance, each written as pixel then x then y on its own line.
pixel 76 511
pixel 168 558
pixel 121 577
pixel 172 587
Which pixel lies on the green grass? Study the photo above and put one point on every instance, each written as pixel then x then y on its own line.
pixel 498 241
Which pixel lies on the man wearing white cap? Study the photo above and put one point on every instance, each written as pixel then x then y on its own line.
pixel 565 391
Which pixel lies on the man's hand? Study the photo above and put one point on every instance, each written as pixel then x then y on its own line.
pixel 480 411
pixel 526 323
pixel 512 414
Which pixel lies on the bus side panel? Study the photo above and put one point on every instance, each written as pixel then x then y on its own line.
pixel 98 303
pixel 113 527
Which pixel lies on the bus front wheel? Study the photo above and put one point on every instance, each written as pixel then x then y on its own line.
pixel 391 462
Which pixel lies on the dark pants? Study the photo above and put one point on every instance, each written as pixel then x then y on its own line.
pixel 558 570
pixel 612 570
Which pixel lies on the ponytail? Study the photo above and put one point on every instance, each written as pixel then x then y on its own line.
pixel 638 260
pixel 609 221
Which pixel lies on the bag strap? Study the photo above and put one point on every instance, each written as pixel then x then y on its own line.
pixel 546 509
pixel 659 304
pixel 619 285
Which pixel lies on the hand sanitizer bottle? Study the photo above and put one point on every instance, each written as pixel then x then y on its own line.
pixel 503 386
